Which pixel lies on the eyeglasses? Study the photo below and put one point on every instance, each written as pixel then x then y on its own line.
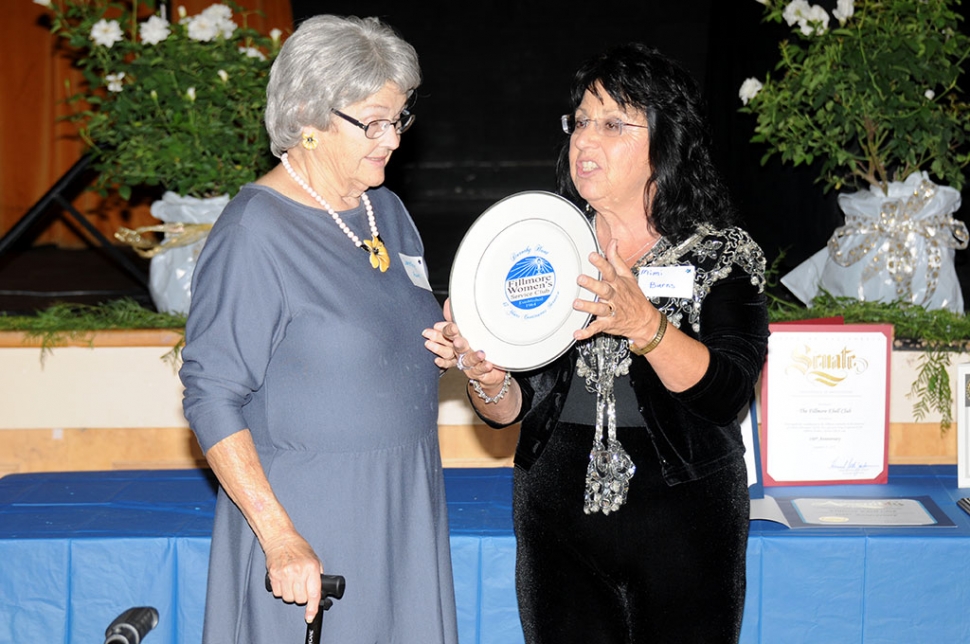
pixel 610 127
pixel 376 129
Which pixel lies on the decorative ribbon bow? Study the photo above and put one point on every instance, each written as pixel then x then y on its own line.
pixel 891 240
pixel 177 234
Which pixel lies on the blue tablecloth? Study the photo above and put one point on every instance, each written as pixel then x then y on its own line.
pixel 76 549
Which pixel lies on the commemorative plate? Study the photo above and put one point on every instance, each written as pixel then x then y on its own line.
pixel 513 279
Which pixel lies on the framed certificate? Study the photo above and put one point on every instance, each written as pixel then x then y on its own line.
pixel 513 280
pixel 963 425
pixel 825 394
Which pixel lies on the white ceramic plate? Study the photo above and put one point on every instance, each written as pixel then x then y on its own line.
pixel 513 279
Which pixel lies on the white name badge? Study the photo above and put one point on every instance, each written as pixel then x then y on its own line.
pixel 667 281
pixel 416 270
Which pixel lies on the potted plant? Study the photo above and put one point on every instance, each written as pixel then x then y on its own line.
pixel 174 103
pixel 869 96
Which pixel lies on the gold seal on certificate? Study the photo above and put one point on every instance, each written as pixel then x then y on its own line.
pixel 513 280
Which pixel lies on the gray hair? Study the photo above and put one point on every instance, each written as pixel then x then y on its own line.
pixel 328 63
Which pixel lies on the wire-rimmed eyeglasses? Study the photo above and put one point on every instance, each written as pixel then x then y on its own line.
pixel 608 127
pixel 376 129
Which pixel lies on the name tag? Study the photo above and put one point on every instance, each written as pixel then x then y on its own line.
pixel 416 270
pixel 667 281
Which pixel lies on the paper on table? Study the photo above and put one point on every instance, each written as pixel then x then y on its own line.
pixel 829 512
pixel 766 509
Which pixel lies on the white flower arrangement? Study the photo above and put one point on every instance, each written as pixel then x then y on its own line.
pixel 176 104
pixel 871 100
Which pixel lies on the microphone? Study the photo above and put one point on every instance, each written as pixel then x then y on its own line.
pixel 131 626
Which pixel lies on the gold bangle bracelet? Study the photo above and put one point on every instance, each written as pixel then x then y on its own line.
pixel 650 346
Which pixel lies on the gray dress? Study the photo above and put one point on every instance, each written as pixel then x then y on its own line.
pixel 293 335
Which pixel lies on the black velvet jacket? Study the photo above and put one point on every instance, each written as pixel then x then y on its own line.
pixel 696 431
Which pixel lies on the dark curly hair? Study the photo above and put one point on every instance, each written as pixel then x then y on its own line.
pixel 688 189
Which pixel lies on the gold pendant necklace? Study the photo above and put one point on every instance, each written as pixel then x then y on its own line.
pixel 379 258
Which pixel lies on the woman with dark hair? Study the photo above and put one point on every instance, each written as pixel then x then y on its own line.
pixel 649 545
pixel 306 380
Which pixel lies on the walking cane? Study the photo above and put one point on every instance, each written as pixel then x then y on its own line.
pixel 331 586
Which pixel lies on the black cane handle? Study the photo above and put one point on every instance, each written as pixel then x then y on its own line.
pixel 330 586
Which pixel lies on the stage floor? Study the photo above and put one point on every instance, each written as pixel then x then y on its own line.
pixel 34 278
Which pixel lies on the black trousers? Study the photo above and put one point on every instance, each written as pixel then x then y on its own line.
pixel 668 567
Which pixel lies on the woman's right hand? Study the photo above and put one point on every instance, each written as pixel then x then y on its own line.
pixel 497 399
pixel 294 569
pixel 294 572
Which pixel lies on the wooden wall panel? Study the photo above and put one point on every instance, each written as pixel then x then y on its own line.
pixel 36 149
pixel 155 448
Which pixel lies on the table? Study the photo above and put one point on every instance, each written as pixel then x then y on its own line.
pixel 76 549
pixel 863 585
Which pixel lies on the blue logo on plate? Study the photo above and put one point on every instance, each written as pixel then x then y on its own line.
pixel 530 282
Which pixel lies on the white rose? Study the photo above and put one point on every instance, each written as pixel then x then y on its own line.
pixel 114 81
pixel 217 12
pixel 226 28
pixel 154 30
pixel 929 94
pixel 106 32
pixel 844 10
pixel 796 11
pixel 749 89
pixel 818 20
pixel 202 29
pixel 252 52
pixel 190 93
pixel 223 75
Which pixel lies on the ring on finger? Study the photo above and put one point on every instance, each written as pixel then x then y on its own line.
pixel 461 362
pixel 612 307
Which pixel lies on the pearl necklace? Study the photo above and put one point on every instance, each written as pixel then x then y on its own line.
pixel 373 247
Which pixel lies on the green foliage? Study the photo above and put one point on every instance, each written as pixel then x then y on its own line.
pixel 871 99
pixel 913 325
pixel 932 388
pixel 64 318
pixel 78 322
pixel 187 114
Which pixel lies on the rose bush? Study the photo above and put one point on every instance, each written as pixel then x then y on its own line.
pixel 872 97
pixel 172 103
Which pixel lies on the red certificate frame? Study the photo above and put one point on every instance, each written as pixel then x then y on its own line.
pixel 825 404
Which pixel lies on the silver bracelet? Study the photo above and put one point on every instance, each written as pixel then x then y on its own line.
pixel 497 397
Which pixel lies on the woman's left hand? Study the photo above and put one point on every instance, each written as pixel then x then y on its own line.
pixel 437 343
pixel 440 344
pixel 621 308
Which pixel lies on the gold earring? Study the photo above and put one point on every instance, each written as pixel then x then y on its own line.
pixel 309 141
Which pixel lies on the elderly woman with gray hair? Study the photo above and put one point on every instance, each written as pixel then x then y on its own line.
pixel 307 382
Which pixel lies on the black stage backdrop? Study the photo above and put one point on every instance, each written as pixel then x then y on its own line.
pixel 496 76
